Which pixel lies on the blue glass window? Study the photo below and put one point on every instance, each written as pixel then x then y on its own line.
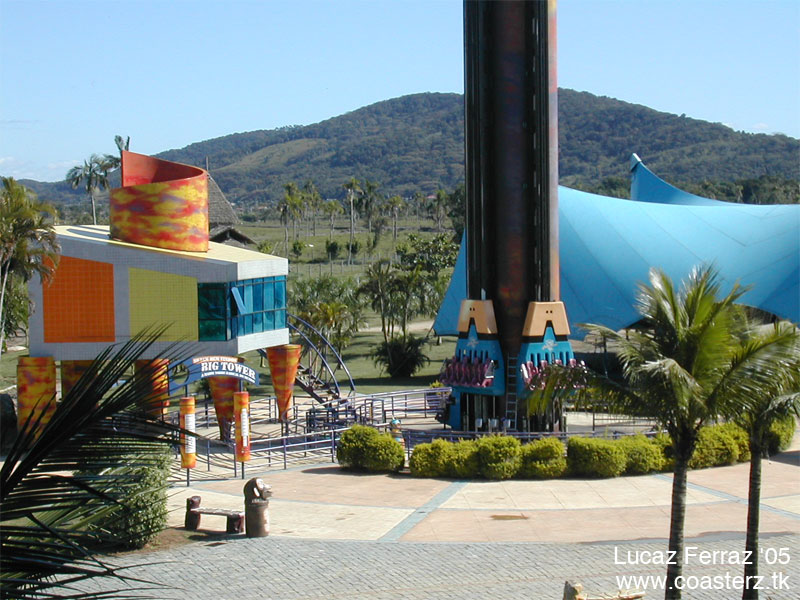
pixel 228 310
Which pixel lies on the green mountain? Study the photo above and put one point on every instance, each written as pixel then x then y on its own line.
pixel 415 143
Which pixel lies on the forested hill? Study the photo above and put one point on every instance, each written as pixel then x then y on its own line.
pixel 415 143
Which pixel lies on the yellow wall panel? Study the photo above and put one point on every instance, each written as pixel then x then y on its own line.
pixel 163 299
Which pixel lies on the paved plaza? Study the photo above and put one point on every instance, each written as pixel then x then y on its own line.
pixel 336 534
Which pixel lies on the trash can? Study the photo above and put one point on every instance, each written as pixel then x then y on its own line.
pixel 256 505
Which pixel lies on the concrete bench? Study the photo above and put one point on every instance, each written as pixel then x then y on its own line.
pixel 234 518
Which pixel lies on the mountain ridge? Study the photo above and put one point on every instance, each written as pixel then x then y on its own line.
pixel 415 143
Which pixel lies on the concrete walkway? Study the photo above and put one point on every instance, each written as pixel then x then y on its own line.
pixel 326 502
pixel 341 535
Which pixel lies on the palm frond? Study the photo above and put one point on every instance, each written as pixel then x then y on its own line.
pixel 47 511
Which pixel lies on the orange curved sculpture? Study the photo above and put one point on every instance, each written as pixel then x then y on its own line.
pixel 161 204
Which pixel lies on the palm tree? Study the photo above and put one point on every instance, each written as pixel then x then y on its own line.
pixel 332 208
pixel 370 202
pixel 682 368
pixel 93 174
pixel 284 214
pixel 778 351
pixel 49 515
pixel 28 244
pixel 395 205
pixel 353 187
pixel 294 203
pixel 313 200
pixel 438 208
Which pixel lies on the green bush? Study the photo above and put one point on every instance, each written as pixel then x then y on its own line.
pixel 780 434
pixel 332 249
pixel 401 356
pixel 542 459
pixel 641 455
pixel 592 457
pixel 364 448
pixel 142 510
pixel 464 462
pixel 354 444
pixel 499 456
pixel 740 438
pixel 664 443
pixel 715 446
pixel 431 460
pixel 384 453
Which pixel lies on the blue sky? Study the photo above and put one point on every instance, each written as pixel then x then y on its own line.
pixel 169 73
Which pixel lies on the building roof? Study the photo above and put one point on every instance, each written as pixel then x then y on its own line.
pixel 220 211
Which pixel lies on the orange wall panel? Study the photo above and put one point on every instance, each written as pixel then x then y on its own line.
pixel 78 304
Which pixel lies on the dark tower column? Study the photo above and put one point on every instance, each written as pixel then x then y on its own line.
pixel 511 159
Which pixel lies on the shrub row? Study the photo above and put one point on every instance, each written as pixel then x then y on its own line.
pixel 502 457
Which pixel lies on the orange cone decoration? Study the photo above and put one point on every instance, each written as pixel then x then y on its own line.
pixel 36 390
pixel 283 362
pixel 222 390
pixel 158 397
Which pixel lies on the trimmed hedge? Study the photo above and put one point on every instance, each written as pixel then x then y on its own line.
pixel 142 510
pixel 364 448
pixel 642 455
pixel 780 434
pixel 543 459
pixel 502 457
pixel 595 457
pixel 715 446
pixel 739 437
pixel 464 461
pixel 499 456
pixel 431 460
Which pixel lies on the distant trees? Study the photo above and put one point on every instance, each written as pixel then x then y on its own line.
pixel 28 244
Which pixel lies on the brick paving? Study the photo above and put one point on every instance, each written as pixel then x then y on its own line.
pixel 286 568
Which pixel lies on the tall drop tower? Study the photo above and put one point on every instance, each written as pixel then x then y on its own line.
pixel 513 322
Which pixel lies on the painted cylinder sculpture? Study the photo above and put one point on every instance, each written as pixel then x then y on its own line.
pixel 71 372
pixel 222 390
pixel 161 204
pixel 283 362
pixel 241 411
pixel 188 443
pixel 36 391
pixel 155 372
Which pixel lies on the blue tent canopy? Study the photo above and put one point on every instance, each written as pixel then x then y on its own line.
pixel 607 246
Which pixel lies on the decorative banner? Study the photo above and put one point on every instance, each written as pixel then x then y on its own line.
pixel 241 406
pixel 71 372
pixel 157 399
pixel 161 204
pixel 188 442
pixel 36 390
pixel 283 362
pixel 199 367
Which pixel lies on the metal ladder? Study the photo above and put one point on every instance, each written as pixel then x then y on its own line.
pixel 511 392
